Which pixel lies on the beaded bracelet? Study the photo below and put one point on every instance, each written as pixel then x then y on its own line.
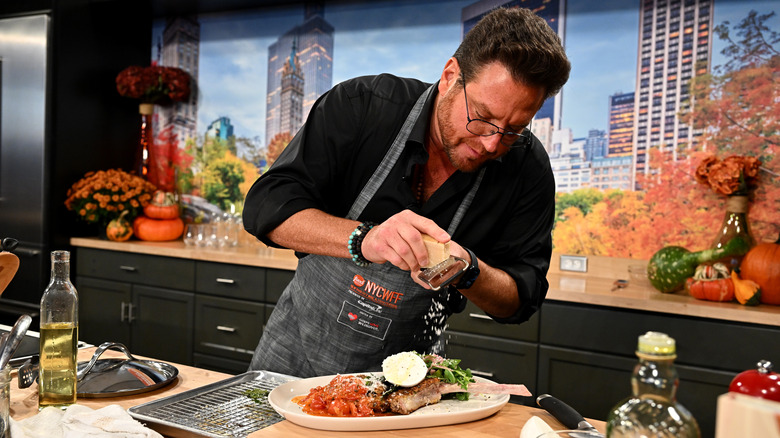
pixel 356 241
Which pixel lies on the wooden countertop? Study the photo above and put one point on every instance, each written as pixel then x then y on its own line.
pixel 255 254
pixel 508 422
pixel 594 287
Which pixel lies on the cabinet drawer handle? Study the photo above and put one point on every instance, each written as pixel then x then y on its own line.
pixel 482 373
pixel 225 280
pixel 127 268
pixel 224 328
pixel 122 312
pixel 479 316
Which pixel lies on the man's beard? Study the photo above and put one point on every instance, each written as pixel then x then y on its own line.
pixel 450 141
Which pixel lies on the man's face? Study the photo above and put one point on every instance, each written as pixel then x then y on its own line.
pixel 493 96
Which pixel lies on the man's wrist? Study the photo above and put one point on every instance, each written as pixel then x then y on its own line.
pixel 468 278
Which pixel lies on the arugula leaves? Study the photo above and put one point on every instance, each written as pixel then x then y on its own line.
pixel 449 370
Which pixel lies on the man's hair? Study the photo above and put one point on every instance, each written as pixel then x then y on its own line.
pixel 521 41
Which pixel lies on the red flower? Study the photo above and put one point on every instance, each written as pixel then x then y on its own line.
pixel 154 84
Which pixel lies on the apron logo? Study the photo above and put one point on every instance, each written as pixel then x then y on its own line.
pixel 358 280
pixel 352 316
pixel 383 294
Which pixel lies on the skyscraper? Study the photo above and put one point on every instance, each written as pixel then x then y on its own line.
pixel 220 128
pixel 675 44
pixel 595 145
pixel 621 124
pixel 181 41
pixel 553 11
pixel 314 47
pixel 291 97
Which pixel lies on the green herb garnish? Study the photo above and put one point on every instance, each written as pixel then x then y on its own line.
pixel 449 370
pixel 257 395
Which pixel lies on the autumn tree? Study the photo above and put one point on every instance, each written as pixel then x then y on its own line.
pixel 276 146
pixel 738 109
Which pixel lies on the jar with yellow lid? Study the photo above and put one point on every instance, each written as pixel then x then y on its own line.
pixel 652 410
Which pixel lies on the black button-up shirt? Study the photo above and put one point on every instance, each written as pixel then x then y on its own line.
pixel 348 132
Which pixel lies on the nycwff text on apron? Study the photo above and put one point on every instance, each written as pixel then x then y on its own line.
pixel 375 292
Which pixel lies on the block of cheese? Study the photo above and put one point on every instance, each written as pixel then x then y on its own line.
pixel 437 251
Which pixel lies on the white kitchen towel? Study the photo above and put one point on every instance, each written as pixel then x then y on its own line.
pixel 80 421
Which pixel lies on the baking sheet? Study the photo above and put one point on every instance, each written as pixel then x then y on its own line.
pixel 216 410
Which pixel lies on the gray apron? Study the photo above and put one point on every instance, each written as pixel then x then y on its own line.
pixel 336 317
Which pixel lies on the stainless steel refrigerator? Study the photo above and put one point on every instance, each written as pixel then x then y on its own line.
pixel 24 45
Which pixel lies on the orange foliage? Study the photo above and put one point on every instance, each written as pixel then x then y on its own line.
pixel 738 113
pixel 276 146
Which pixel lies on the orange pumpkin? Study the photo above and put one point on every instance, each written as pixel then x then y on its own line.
pixel 762 265
pixel 119 229
pixel 162 206
pixel 158 230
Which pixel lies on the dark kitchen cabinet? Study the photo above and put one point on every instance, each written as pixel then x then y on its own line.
pixel 502 353
pixel 232 306
pixel 586 356
pixel 103 311
pixel 150 321
pixel 198 313
pixel 145 302
pixel 499 360
pixel 593 383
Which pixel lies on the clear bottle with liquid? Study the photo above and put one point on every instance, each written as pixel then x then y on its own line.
pixel 652 411
pixel 59 336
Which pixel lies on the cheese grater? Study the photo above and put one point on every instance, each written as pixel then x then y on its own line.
pixel 443 273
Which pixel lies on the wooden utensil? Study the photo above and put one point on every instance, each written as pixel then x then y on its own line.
pixel 9 263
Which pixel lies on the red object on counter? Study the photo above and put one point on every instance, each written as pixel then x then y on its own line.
pixel 761 382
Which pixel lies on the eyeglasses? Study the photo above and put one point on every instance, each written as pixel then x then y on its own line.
pixel 483 128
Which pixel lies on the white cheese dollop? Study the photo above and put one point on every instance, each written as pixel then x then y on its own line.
pixel 404 369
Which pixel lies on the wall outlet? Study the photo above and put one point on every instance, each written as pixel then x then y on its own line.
pixel 574 263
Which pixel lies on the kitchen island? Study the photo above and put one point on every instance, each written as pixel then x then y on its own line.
pixel 581 343
pixel 508 422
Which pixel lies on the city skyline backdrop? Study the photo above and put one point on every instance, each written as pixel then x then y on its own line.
pixel 416 42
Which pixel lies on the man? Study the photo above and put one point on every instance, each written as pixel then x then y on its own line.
pixel 383 160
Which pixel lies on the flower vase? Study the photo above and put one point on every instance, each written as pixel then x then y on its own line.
pixel 735 223
pixel 144 139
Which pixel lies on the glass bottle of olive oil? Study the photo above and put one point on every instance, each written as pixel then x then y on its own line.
pixel 59 336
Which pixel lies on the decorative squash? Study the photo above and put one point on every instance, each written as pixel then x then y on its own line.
pixel 746 291
pixel 668 268
pixel 157 230
pixel 762 265
pixel 119 229
pixel 711 290
pixel 162 206
pixel 711 283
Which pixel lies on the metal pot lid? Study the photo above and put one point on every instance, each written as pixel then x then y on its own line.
pixel 120 377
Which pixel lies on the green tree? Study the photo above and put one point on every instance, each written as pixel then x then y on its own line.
pixel 222 180
pixel 581 199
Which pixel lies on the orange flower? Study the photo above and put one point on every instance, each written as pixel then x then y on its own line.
pixel 734 175
pixel 98 196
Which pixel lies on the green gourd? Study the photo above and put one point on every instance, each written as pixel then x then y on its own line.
pixel 668 268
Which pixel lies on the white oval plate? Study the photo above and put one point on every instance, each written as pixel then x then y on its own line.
pixel 443 413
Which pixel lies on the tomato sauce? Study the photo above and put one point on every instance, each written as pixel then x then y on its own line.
pixel 344 396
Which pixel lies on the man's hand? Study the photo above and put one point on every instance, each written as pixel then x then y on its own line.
pixel 398 240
